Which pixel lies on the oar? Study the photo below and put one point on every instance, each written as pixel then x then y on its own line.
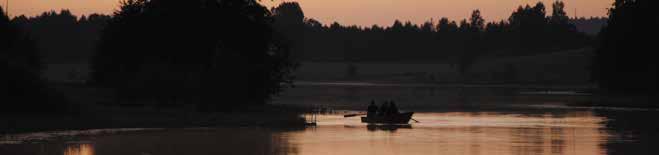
pixel 353 115
pixel 415 120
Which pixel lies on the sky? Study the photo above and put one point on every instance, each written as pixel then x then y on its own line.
pixel 350 12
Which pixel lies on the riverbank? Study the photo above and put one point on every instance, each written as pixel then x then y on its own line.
pixel 640 101
pixel 113 117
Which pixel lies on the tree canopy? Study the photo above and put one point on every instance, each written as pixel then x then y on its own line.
pixel 209 52
pixel 625 60
pixel 22 88
pixel 63 37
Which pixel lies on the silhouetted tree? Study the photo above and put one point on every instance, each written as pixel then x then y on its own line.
pixel 447 33
pixel 591 26
pixel 473 33
pixel 17 48
pixel 476 22
pixel 558 15
pixel 22 89
pixel 626 59
pixel 528 23
pixel 289 23
pixel 564 33
pixel 426 27
pixel 313 24
pixel 62 37
pixel 213 53
pixel 444 25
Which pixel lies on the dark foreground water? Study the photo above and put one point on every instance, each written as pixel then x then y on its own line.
pixel 451 121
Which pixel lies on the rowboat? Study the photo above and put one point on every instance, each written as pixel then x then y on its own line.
pixel 400 118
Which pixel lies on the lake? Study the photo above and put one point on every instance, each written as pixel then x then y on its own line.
pixel 452 120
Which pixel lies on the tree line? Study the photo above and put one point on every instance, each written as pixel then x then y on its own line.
pixel 62 37
pixel 210 53
pixel 591 26
pixel 529 30
pixel 20 65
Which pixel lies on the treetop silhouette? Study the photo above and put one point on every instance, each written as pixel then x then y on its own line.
pixel 212 53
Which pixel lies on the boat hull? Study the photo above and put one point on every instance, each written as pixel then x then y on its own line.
pixel 402 118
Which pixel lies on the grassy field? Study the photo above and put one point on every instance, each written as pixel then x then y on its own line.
pixel 560 67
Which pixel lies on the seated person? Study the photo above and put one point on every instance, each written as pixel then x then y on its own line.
pixel 393 109
pixel 383 109
pixel 372 109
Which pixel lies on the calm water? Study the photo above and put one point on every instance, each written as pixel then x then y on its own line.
pixel 451 121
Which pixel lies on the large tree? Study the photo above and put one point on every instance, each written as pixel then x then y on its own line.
pixel 21 88
pixel 211 52
pixel 558 14
pixel 626 59
pixel 472 32
pixel 529 24
pixel 289 23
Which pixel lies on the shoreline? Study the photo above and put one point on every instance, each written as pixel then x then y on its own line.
pixel 279 117
pixel 636 101
pixel 94 116
pixel 597 98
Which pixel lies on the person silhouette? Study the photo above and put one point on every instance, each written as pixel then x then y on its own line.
pixel 372 109
pixel 383 109
pixel 393 109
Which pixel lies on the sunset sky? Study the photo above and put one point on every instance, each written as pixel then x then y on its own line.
pixel 351 12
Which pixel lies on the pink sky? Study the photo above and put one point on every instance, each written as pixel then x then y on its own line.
pixel 357 12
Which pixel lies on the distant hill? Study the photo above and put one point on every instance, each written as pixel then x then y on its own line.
pixel 590 26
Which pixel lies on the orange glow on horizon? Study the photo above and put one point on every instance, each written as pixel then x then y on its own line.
pixel 350 12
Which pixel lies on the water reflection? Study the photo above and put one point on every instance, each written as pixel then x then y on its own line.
pixel 195 141
pixel 570 132
pixel 635 132
pixel 576 133
pixel 453 121
pixel 387 127
pixel 79 149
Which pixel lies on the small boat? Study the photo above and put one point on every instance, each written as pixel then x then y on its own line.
pixel 400 118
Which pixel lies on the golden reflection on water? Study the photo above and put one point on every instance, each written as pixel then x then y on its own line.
pixel 573 133
pixel 79 149
pixel 472 133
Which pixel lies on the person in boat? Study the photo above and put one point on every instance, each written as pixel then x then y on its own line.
pixel 372 109
pixel 383 109
pixel 393 109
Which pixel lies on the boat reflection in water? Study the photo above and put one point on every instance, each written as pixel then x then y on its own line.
pixel 387 127
pixel 398 118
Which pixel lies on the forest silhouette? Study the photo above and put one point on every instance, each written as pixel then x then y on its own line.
pixel 214 54
pixel 62 37
pixel 23 90
pixel 529 30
